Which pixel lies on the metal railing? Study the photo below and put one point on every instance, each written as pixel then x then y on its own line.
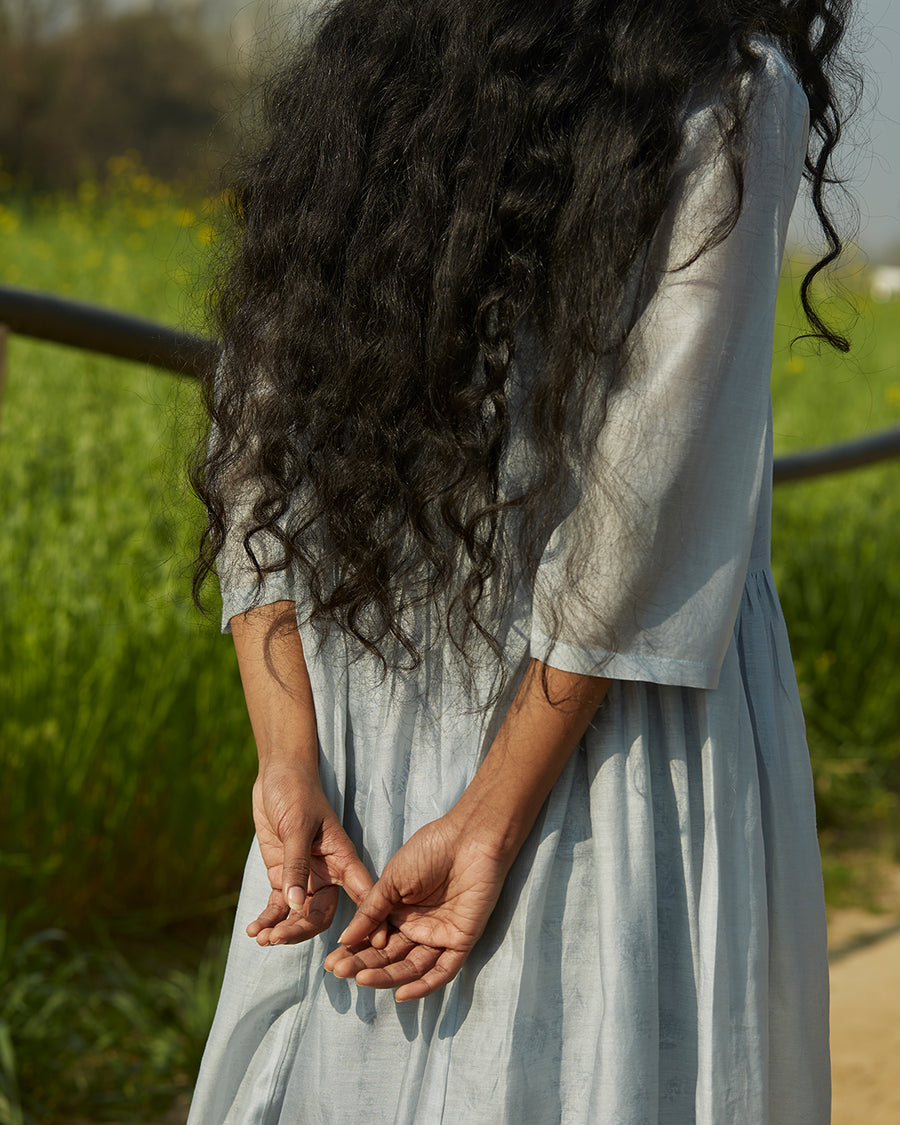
pixel 59 320
pixel 868 450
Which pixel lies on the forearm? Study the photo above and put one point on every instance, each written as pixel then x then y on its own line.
pixel 440 888
pixel 531 749
pixel 276 685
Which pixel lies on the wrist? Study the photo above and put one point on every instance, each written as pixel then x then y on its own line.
pixel 549 715
pixel 495 819
pixel 296 757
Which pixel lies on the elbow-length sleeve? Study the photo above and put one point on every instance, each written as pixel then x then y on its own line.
pixel 241 586
pixel 669 503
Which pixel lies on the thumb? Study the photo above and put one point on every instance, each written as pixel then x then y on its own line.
pixel 355 878
pixel 295 872
pixel 357 882
pixel 372 911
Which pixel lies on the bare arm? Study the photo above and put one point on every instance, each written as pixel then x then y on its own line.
pixel 276 686
pixel 440 888
pixel 529 753
pixel 306 851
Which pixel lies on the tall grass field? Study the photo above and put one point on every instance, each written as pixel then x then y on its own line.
pixel 125 752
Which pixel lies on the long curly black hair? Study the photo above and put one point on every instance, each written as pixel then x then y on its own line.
pixel 435 175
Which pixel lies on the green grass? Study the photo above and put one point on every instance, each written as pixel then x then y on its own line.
pixel 123 727
pixel 87 1030
pixel 124 746
pixel 836 558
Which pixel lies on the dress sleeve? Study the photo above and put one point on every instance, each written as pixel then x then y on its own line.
pixel 669 502
pixel 240 585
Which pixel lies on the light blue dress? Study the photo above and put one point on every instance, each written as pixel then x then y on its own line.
pixel 657 956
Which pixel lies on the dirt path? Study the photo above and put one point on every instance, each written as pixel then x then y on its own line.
pixel 865 1019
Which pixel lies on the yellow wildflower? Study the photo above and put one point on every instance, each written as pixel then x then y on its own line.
pixel 87 192
pixel 9 221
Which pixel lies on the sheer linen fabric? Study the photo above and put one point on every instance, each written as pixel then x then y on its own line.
pixel 657 956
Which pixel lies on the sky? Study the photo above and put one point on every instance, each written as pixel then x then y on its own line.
pixel 871 160
pixel 875 165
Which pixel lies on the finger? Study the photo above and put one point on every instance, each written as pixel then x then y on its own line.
pixel 345 965
pixel 373 910
pixel 295 870
pixel 420 960
pixel 345 962
pixel 349 952
pixel 448 965
pixel 355 877
pixel 317 916
pixel 274 913
pixel 358 882
pixel 293 930
pixel 379 939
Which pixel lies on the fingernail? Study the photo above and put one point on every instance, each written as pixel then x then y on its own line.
pixel 295 898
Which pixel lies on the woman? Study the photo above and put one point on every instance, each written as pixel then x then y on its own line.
pixel 489 491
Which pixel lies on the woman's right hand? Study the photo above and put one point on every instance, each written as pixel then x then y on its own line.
pixel 440 887
pixel 438 891
pixel 307 853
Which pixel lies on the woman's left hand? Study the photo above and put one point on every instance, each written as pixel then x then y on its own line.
pixel 438 891
pixel 304 848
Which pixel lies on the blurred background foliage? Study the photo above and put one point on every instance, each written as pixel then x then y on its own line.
pixel 124 746
pixel 84 82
